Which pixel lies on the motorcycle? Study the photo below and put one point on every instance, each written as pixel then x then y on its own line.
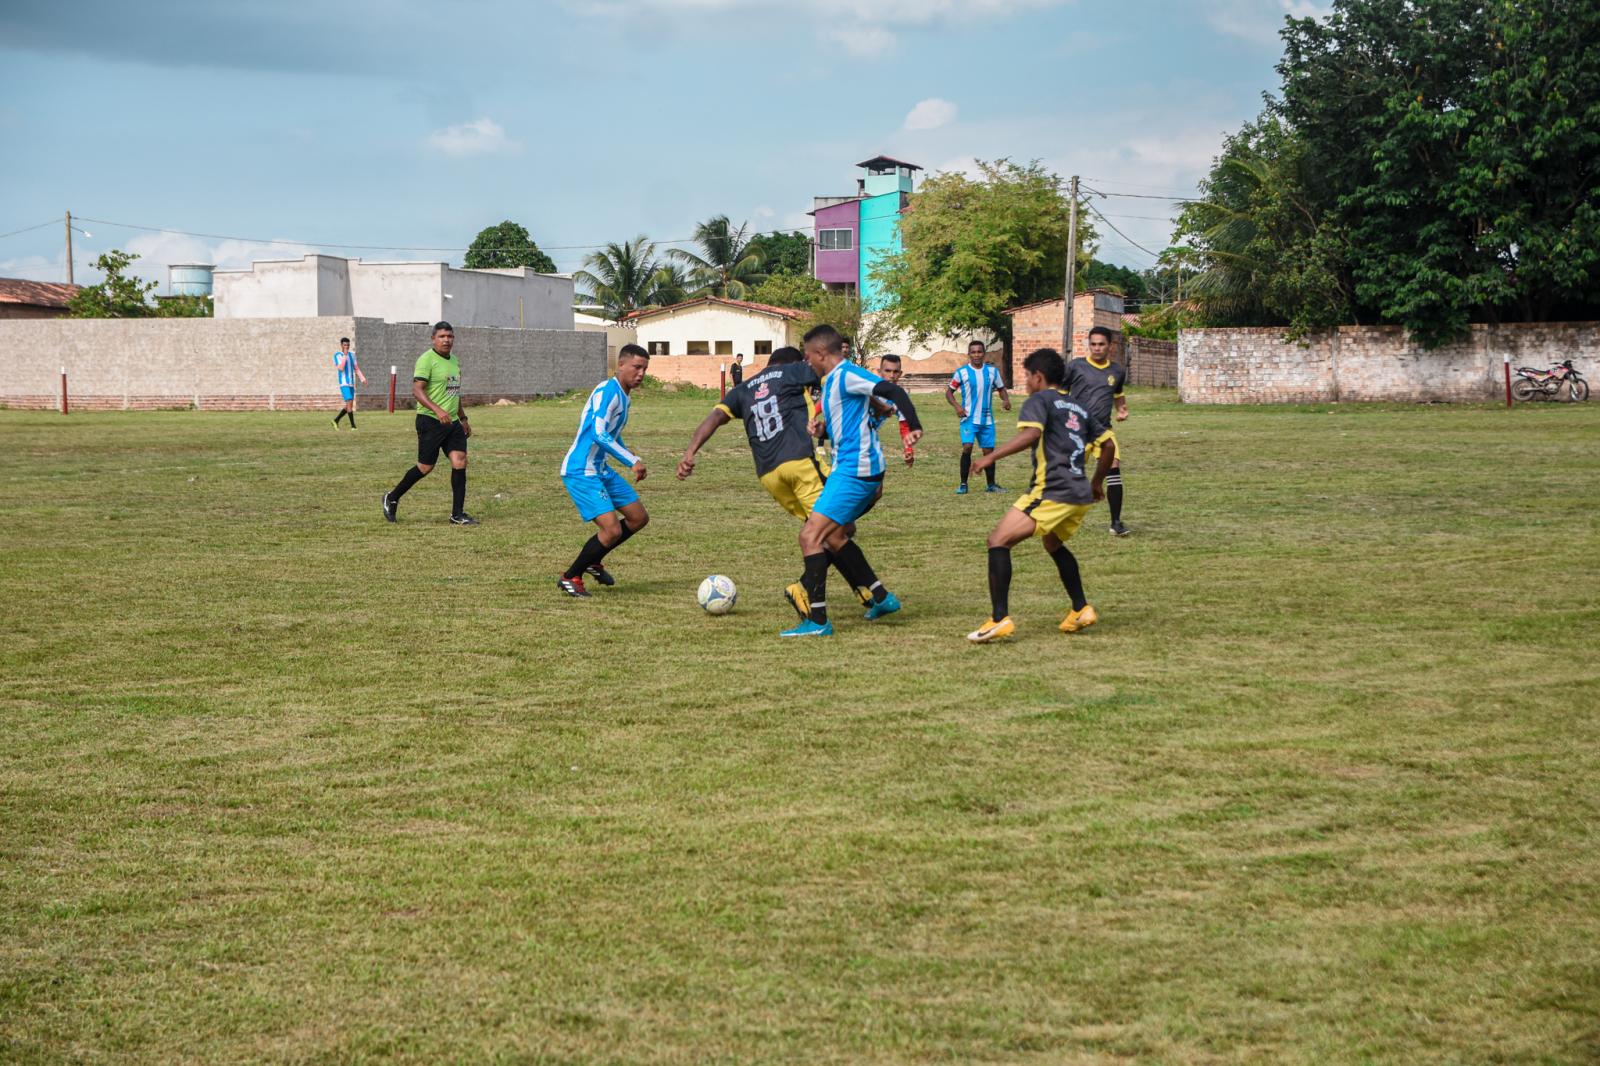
pixel 1561 380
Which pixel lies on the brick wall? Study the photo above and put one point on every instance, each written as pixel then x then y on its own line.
pixel 1039 326
pixel 1151 362
pixel 255 364
pixel 1371 363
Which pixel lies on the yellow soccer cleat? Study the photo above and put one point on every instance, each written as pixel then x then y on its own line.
pixel 992 630
pixel 1076 621
pixel 799 600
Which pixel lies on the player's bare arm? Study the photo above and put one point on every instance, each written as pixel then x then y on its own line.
pixel 1026 438
pixel 702 433
pixel 950 398
pixel 1005 397
pixel 1122 408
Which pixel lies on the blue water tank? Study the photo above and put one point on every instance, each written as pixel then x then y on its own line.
pixel 189 279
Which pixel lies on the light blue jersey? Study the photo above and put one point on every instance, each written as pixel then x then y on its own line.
pixel 345 362
pixel 977 385
pixel 600 433
pixel 846 411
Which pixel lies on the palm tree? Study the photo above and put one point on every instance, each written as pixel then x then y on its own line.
pixel 727 266
pixel 668 285
pixel 620 277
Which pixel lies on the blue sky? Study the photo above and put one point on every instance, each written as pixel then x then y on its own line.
pixel 361 122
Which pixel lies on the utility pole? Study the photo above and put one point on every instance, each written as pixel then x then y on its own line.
pixel 69 247
pixel 1072 271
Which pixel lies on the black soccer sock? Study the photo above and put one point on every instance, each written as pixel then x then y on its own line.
pixel 458 489
pixel 591 554
pixel 1114 495
pixel 607 549
pixel 815 581
pixel 340 416
pixel 966 466
pixel 413 475
pixel 988 471
pixel 1067 567
pixel 999 583
pixel 627 531
pixel 852 563
pixel 352 415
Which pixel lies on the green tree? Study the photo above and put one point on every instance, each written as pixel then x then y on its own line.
pixel 972 248
pixel 507 245
pixel 185 307
pixel 1460 142
pixel 1126 280
pixel 120 295
pixel 726 265
pixel 869 332
pixel 799 291
pixel 1268 252
pixel 621 278
pixel 783 253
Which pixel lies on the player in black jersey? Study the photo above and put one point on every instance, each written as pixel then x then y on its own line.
pixel 775 408
pixel 1060 432
pixel 1096 384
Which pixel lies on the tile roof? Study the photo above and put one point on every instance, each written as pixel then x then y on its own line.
pixel 36 293
pixel 746 305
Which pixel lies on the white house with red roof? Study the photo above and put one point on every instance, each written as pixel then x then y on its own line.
pixel 713 326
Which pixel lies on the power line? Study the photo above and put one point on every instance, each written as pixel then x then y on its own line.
pixel 1144 196
pixel 25 229
pixel 1147 218
pixel 1132 184
pixel 387 247
pixel 1119 233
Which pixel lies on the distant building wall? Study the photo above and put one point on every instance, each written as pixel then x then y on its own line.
pixel 31 311
pixel 1039 326
pixel 276 363
pixel 1151 361
pixel 1371 363
pixel 836 266
pixel 739 330
pixel 880 237
pixel 395 292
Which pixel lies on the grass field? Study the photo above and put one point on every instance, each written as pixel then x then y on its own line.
pixel 283 782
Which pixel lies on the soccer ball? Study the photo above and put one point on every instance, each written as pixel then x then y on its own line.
pixel 717 594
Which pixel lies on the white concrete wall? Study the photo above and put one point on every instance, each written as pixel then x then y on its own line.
pixel 395 292
pixel 270 289
pixel 712 323
pixel 400 292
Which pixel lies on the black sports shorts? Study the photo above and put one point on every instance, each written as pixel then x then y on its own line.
pixel 434 437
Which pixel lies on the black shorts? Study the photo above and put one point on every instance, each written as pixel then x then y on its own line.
pixel 434 437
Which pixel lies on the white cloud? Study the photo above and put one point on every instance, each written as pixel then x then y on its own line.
pixel 864 28
pixel 481 136
pixel 930 114
pixel 763 212
pixel 1258 21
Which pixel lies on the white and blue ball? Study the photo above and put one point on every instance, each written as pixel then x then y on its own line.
pixel 717 594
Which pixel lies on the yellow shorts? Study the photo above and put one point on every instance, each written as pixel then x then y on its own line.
pixel 1092 454
pixel 1062 519
pixel 795 485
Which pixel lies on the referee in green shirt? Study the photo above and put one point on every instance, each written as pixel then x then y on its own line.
pixel 441 425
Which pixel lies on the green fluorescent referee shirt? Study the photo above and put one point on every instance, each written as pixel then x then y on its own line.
pixel 443 376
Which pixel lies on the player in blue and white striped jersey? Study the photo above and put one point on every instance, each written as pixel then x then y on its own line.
pixel 598 491
pixel 855 482
pixel 971 392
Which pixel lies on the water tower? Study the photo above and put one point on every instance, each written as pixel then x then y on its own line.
pixel 189 279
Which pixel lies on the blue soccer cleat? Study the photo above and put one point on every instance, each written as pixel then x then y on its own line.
pixel 961 490
pixel 887 605
pixel 994 488
pixel 808 628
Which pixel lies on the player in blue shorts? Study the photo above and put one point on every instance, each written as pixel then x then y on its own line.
pixel 599 492
pixel 971 392
pixel 856 479
pixel 344 363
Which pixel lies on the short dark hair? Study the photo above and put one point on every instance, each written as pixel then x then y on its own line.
pixel 1103 332
pixel 825 337
pixel 787 354
pixel 1046 361
pixel 888 357
pixel 443 326
pixel 976 344
pixel 633 350
pixel 344 340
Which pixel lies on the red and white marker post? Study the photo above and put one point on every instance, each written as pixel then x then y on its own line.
pixel 1507 357
pixel 63 390
pixel 393 371
pixel 722 372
